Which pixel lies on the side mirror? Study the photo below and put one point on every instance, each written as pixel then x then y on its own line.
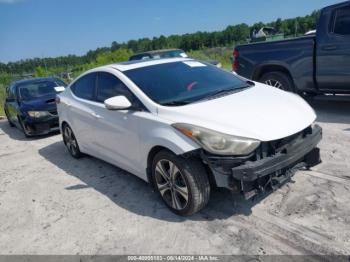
pixel 117 103
pixel 59 89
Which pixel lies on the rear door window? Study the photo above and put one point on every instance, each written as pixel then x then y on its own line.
pixel 342 22
pixel 85 87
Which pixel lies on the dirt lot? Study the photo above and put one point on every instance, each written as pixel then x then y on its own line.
pixel 53 204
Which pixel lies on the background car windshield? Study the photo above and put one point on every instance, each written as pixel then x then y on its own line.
pixel 170 54
pixel 186 81
pixel 31 91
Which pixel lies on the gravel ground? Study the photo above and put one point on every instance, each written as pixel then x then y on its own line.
pixel 51 203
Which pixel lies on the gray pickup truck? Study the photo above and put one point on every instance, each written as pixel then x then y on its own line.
pixel 313 64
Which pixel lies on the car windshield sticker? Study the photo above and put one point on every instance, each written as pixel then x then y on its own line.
pixel 194 64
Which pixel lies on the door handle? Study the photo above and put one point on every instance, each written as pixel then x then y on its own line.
pixel 329 47
pixel 96 115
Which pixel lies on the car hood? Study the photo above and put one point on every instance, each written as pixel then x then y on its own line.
pixel 260 112
pixel 42 103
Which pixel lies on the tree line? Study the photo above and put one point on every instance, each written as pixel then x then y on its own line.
pixel 230 36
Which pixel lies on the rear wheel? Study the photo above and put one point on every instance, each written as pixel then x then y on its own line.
pixel 71 142
pixel 182 183
pixel 278 80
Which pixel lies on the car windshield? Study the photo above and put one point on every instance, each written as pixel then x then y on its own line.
pixel 35 90
pixel 184 82
pixel 160 54
pixel 170 54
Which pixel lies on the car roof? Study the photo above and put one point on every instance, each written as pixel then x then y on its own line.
pixel 128 65
pixel 33 80
pixel 346 3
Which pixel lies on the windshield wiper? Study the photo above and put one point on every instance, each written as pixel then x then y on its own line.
pixel 230 90
pixel 176 103
pixel 210 96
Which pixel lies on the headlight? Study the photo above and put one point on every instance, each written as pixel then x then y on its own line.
pixel 38 114
pixel 216 142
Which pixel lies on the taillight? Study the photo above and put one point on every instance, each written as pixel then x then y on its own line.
pixel 235 62
pixel 57 100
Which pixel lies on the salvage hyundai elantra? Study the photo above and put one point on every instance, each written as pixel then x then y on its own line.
pixel 186 126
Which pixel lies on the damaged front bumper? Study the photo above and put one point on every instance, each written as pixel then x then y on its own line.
pixel 43 126
pixel 256 173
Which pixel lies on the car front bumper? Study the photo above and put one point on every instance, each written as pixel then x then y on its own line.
pixel 242 174
pixel 41 126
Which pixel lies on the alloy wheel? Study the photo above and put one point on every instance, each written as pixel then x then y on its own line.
pixel 70 141
pixel 171 184
pixel 274 83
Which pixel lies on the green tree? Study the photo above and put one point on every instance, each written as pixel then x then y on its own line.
pixel 113 57
pixel 40 72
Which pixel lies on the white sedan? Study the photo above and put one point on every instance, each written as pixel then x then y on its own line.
pixel 186 126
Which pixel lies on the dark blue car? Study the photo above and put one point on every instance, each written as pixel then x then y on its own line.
pixel 30 105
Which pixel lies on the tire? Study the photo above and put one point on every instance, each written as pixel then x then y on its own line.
pixel 71 142
pixel 8 119
pixel 20 121
pixel 173 176
pixel 279 80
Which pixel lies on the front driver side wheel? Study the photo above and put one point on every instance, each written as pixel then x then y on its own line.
pixel 71 142
pixel 183 184
pixel 23 127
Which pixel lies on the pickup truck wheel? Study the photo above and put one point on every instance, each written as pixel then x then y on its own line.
pixel 278 80
pixel 182 183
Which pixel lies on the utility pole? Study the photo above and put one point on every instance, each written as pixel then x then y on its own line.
pixel 45 64
pixel 43 58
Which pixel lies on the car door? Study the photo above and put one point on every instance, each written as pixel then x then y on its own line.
pixel 81 110
pixel 333 52
pixel 117 136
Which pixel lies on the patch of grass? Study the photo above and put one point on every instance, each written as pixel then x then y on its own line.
pixel 221 54
pixel 2 99
pixel 5 80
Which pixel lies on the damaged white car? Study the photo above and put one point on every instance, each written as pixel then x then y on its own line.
pixel 186 126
